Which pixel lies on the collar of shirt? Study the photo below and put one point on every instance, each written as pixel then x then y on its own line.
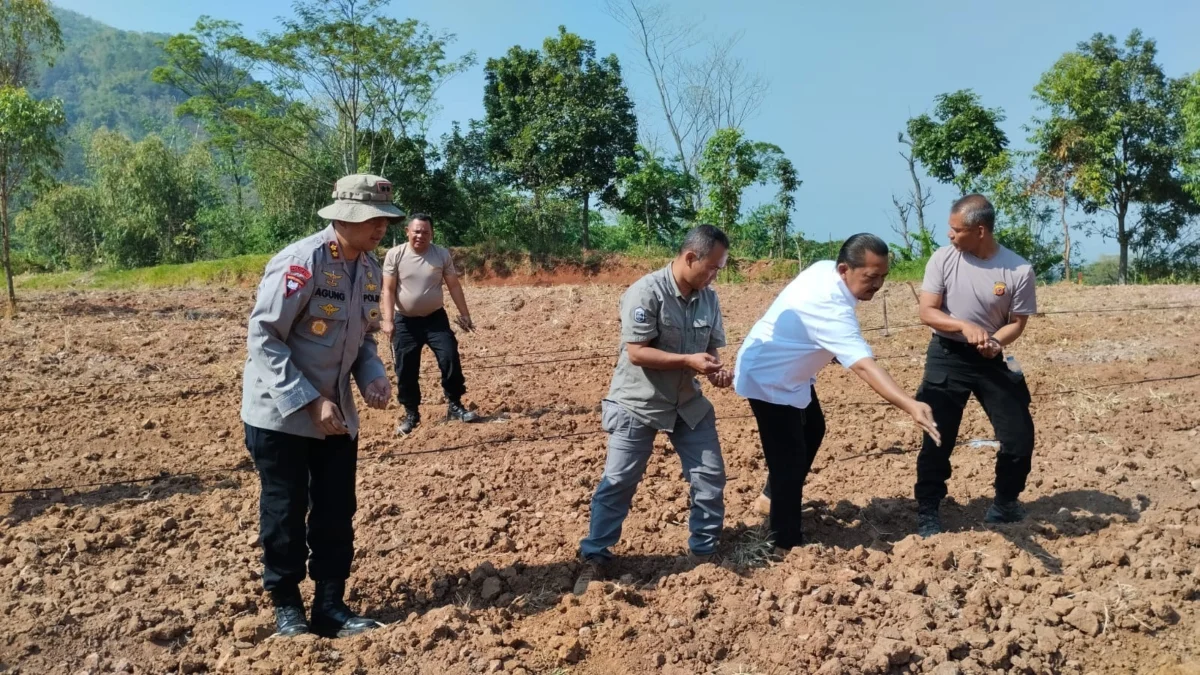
pixel 841 285
pixel 670 274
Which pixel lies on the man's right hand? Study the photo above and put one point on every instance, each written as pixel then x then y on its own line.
pixel 387 327
pixel 326 416
pixel 704 364
pixel 922 414
pixel 974 334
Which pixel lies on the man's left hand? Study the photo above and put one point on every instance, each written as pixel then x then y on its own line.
pixel 378 393
pixel 721 379
pixel 464 322
pixel 991 348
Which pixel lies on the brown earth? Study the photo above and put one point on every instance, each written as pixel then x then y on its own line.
pixel 466 534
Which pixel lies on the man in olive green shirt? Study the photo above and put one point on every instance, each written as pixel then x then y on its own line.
pixel 671 329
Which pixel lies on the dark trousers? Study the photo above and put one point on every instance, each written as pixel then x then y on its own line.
pixel 953 371
pixel 304 477
pixel 790 440
pixel 411 335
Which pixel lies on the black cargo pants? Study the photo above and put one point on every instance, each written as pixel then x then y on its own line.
pixel 307 504
pixel 411 335
pixel 953 371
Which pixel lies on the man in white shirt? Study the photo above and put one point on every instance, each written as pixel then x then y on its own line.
pixel 809 324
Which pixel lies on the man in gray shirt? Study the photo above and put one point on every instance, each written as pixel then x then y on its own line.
pixel 671 329
pixel 311 329
pixel 977 297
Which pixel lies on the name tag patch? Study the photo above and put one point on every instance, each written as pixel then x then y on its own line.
pixel 332 295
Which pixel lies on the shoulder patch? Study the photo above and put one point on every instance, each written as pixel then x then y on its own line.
pixel 292 283
pixel 639 315
pixel 301 272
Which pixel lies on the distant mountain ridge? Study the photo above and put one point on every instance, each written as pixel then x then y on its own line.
pixel 103 79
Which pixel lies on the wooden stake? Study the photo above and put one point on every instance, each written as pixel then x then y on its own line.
pixel 886 331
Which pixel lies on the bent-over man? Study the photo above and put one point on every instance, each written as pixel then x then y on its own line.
pixel 977 297
pixel 671 329
pixel 809 324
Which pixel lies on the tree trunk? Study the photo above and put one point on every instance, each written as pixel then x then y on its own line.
pixel 1062 214
pixel 587 244
pixel 649 229
pixel 8 276
pixel 1123 242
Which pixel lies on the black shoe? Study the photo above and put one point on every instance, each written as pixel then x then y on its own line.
pixel 1005 512
pixel 594 568
pixel 456 411
pixel 409 422
pixel 929 521
pixel 289 613
pixel 330 615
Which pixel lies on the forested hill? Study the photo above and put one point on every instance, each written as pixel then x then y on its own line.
pixel 103 79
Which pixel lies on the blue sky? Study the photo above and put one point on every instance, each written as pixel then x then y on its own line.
pixel 844 76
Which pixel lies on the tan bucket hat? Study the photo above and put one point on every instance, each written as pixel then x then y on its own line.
pixel 361 197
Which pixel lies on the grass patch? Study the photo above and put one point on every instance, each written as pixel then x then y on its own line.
pixel 241 270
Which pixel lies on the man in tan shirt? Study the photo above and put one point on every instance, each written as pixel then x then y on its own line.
pixel 414 316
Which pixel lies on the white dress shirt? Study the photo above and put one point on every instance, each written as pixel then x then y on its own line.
pixel 810 322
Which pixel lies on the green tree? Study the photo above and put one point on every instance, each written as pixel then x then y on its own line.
pixel 28 154
pixel 559 119
pixel 29 36
pixel 956 144
pixel 215 79
pixel 64 228
pixel 657 195
pixel 729 165
pixel 1121 114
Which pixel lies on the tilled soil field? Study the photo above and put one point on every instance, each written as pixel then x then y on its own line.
pixel 128 539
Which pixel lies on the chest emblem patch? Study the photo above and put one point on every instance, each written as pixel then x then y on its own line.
pixel 319 327
pixel 331 279
pixel 999 288
pixel 373 314
pixel 372 287
pixel 329 308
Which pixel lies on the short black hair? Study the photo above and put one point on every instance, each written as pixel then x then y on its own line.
pixel 854 250
pixel 975 210
pixel 420 216
pixel 701 240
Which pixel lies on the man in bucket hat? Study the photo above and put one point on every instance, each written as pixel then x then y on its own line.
pixel 311 329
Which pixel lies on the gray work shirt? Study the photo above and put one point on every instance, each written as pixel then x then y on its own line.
pixel 983 292
pixel 310 330
pixel 653 311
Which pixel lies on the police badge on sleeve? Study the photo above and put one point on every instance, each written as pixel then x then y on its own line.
pixel 639 315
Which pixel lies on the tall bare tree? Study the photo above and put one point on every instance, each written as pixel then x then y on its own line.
pixel 904 208
pixel 918 197
pixel 697 95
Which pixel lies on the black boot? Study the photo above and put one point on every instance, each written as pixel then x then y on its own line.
pixel 289 612
pixel 455 410
pixel 409 422
pixel 929 521
pixel 330 615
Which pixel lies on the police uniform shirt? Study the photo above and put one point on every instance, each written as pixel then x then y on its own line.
pixel 653 311
pixel 310 330
pixel 983 292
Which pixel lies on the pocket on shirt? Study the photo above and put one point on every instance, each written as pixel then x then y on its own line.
pixel 670 338
pixel 702 328
pixel 323 321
